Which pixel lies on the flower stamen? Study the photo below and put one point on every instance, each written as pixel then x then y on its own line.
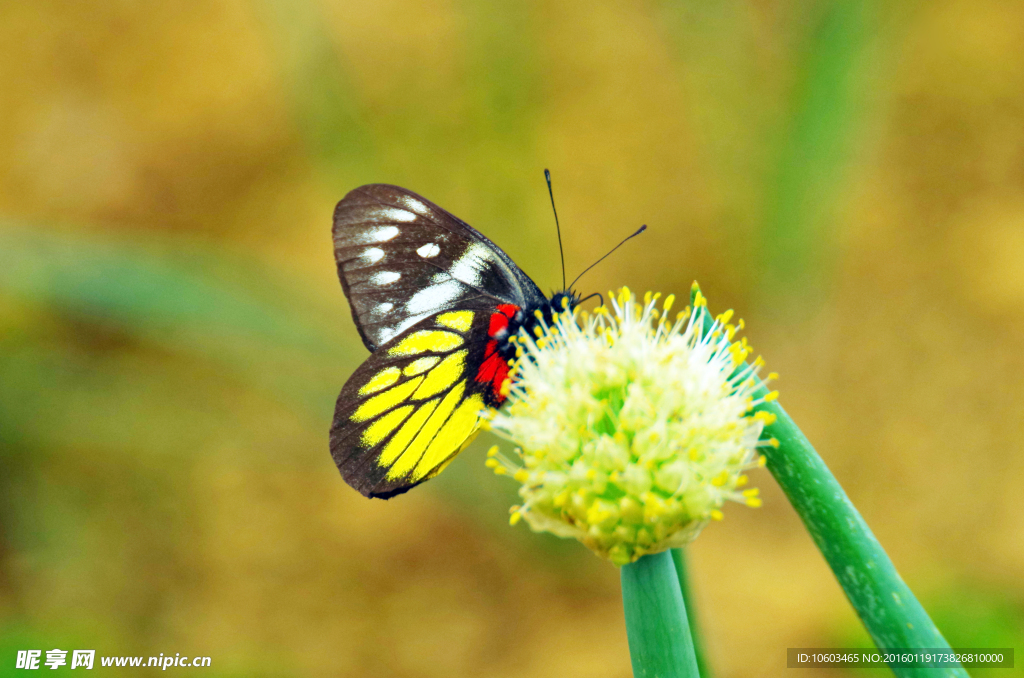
pixel 633 430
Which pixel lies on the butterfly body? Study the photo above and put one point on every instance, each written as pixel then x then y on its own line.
pixel 437 304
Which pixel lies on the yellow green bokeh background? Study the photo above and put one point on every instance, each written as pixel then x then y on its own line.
pixel 848 176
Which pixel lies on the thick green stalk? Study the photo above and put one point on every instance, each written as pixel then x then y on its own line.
pixel 886 606
pixel 679 558
pixel 656 626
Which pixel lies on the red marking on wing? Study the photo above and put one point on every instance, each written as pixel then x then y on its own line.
pixel 493 369
pixel 499 320
pixel 498 323
pixel 489 366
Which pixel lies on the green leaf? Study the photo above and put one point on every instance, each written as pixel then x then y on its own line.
pixel 815 149
pixel 182 296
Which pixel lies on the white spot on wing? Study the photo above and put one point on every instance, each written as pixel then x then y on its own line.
pixel 435 297
pixel 397 214
pixel 470 267
pixel 387 334
pixel 382 234
pixel 429 250
pixel 385 307
pixel 384 277
pixel 414 205
pixel 372 255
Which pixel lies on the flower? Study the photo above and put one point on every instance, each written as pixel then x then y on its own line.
pixel 632 429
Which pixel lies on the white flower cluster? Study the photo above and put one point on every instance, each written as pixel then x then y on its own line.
pixel 632 429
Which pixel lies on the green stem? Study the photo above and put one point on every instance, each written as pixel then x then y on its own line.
pixel 679 558
pixel 886 606
pixel 656 626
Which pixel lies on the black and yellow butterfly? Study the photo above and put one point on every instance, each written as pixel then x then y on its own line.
pixel 436 302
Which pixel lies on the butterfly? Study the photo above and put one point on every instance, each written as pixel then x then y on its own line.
pixel 436 303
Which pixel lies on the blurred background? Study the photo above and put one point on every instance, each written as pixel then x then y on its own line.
pixel 847 175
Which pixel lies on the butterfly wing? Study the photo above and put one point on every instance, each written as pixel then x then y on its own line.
pixel 415 403
pixel 401 259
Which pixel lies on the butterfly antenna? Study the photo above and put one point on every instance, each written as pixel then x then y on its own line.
pixel 638 232
pixel 558 229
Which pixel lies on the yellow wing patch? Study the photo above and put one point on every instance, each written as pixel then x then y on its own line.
pixel 442 376
pixel 404 436
pixel 411 456
pixel 436 341
pixel 460 426
pixel 420 365
pixel 457 320
pixel 386 400
pixel 382 379
pixel 379 430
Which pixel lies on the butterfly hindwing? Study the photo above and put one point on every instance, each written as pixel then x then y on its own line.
pixel 401 259
pixel 415 403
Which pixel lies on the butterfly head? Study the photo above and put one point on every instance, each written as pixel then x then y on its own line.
pixel 563 301
pixel 546 313
pixel 507 321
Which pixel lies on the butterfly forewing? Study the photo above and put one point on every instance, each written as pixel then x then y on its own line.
pixel 414 404
pixel 401 259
